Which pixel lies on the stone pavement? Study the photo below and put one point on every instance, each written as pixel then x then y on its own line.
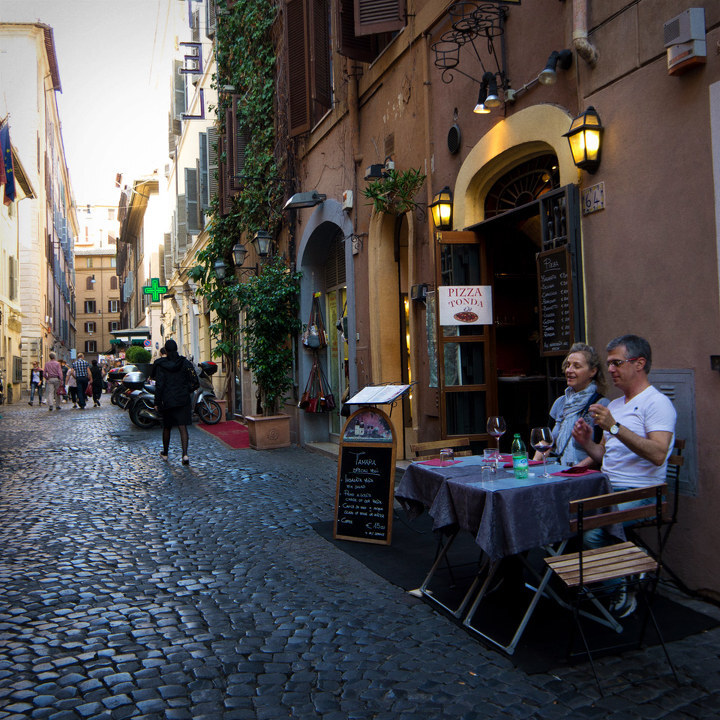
pixel 132 587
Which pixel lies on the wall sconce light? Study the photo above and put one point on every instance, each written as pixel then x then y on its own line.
pixel 442 209
pixel 219 266
pixel 493 99
pixel 92 279
pixel 585 138
pixel 239 252
pixel 481 108
pixel 305 200
pixel 262 241
pixel 563 58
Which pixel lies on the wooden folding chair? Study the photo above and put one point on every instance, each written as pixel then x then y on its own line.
pixel 431 450
pixel 587 572
pixel 674 465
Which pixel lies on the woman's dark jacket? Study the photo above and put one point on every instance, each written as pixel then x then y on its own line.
pixel 173 381
pixel 96 373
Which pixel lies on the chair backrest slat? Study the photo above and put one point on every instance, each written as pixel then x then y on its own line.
pixel 424 449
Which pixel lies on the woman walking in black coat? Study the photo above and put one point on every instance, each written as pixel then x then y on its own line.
pixel 175 379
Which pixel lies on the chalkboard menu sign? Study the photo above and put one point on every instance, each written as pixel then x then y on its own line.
pixel 365 479
pixel 556 301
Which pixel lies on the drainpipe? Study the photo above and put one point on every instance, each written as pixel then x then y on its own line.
pixel 584 48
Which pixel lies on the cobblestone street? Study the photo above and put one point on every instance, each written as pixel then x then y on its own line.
pixel 132 587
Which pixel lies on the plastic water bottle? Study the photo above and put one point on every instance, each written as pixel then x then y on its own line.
pixel 519 458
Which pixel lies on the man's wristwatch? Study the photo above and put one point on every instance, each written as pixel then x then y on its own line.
pixel 614 429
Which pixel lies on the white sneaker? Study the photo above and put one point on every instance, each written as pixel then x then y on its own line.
pixel 624 604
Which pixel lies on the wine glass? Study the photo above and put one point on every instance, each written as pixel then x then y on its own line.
pixel 542 440
pixel 496 427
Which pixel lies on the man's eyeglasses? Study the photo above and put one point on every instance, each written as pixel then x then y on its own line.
pixel 618 363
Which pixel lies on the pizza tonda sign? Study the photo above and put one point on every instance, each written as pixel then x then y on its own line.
pixel 465 304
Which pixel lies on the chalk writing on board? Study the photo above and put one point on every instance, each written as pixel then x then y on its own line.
pixel 556 304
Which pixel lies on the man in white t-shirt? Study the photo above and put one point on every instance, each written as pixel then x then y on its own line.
pixel 639 430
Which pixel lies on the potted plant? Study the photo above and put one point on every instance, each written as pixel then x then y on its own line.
pixel 140 357
pixel 271 304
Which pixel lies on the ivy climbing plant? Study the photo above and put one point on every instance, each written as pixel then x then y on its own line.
pixel 245 58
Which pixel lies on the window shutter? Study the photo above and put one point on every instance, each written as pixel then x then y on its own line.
pixel 113 282
pixel 167 256
pixel 210 18
pixel 179 106
pixel 89 283
pixel 196 26
pixel 321 59
pixel 191 201
pixel 198 194
pixel 236 146
pixel 212 162
pixel 297 63
pixel 13 278
pixel 222 178
pixel 377 16
pixel 203 172
pixel 357 48
pixel 181 228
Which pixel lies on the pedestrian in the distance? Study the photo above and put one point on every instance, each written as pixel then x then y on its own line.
pixel 36 383
pixel 82 377
pixel 53 378
pixel 175 379
pixel 97 382
pixel 71 381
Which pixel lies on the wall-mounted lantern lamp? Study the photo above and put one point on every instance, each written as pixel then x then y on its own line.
pixel 239 252
pixel 563 58
pixel 262 241
pixel 442 209
pixel 305 200
pixel 219 266
pixel 493 99
pixel 585 138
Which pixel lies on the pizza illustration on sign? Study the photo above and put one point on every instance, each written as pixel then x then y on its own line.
pixel 466 316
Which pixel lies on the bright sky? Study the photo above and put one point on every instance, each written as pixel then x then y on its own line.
pixel 114 59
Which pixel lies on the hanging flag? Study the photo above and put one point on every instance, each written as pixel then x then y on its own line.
pixel 7 162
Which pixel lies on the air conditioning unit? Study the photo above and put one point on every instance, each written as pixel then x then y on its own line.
pixel 685 41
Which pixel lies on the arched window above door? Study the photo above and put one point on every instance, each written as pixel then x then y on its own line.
pixel 523 184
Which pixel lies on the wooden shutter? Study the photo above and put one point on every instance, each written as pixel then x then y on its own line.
pixel 181 227
pixel 179 106
pixel 377 16
pixel 320 57
pixel 210 18
pixel 212 162
pixel 203 172
pixel 237 144
pixel 362 48
pixel 167 257
pixel 191 201
pixel 297 64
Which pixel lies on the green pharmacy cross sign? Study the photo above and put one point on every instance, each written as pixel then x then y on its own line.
pixel 155 289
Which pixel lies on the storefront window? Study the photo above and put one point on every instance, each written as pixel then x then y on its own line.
pixel 464 364
pixel 465 412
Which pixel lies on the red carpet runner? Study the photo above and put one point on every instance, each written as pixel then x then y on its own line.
pixel 233 434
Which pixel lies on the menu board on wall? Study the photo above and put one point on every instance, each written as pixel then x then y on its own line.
pixel 556 301
pixel 365 480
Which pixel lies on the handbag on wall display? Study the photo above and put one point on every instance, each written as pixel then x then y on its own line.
pixel 314 337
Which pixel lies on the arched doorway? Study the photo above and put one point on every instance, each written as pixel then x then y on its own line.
pixel 514 207
pixel 325 260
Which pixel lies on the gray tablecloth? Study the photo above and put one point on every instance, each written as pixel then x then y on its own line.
pixel 506 516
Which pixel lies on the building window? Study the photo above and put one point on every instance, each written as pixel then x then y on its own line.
pixel 90 282
pixel 90 306
pixel 113 282
pixel 113 306
pixel 113 262
pixel 113 325
pixel 90 346
pixel 89 262
pixel 13 278
pixel 90 327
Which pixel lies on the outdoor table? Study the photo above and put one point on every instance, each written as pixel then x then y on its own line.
pixel 505 516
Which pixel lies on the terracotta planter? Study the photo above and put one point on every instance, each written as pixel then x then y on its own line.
pixel 268 431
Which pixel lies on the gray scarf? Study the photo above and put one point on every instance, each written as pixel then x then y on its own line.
pixel 575 403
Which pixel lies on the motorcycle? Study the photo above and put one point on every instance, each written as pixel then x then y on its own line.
pixel 141 401
pixel 119 395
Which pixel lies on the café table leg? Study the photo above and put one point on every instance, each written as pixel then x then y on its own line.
pixel 423 589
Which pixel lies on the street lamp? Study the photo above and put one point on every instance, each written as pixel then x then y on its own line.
pixel 585 138
pixel 219 266
pixel 262 241
pixel 442 209
pixel 239 252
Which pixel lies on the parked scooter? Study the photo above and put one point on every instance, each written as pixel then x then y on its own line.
pixel 119 395
pixel 141 401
